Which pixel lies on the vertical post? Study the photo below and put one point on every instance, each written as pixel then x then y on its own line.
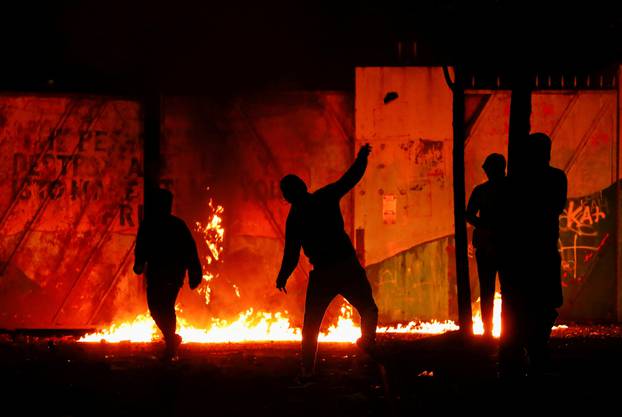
pixel 152 122
pixel 618 222
pixel 520 114
pixel 462 261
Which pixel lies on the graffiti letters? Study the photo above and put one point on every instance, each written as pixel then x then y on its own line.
pixel 76 166
pixel 580 217
pixel 581 235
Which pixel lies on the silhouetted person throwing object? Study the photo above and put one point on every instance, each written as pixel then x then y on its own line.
pixel 165 249
pixel 315 223
pixel 483 211
pixel 531 283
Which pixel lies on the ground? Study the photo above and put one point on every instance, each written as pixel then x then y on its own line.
pixel 421 375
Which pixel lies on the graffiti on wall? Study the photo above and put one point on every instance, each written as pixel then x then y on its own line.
pixel 75 174
pixel 71 153
pixel 583 233
pixel 70 202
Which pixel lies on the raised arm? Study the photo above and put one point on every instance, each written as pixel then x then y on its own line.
pixel 291 253
pixel 353 175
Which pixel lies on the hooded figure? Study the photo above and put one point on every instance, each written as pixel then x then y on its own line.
pixel 165 250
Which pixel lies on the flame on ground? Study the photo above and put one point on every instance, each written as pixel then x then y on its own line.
pixel 478 325
pixel 253 326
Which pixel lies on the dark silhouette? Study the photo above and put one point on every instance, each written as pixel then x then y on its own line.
pixel 315 223
pixel 483 213
pixel 165 249
pixel 531 270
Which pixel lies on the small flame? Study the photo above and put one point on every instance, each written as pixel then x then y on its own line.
pixel 478 325
pixel 213 234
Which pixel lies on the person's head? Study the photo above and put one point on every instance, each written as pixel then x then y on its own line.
pixel 540 146
pixel 293 188
pixel 161 202
pixel 494 166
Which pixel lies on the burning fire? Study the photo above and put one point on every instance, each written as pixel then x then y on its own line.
pixel 478 325
pixel 253 326
pixel 213 234
pixel 258 326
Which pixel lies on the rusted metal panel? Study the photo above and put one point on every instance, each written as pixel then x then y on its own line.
pixel 582 125
pixel 410 170
pixel 413 284
pixel 240 150
pixel 71 181
pixel 618 206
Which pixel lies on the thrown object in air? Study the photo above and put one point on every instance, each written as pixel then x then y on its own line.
pixel 390 96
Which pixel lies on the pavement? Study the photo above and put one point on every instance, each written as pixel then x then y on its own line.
pixel 414 375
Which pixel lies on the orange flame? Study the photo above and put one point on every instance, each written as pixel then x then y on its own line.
pixel 257 326
pixel 253 326
pixel 213 234
pixel 478 325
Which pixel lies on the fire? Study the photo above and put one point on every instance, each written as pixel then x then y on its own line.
pixel 253 326
pixel 478 325
pixel 213 234
pixel 262 326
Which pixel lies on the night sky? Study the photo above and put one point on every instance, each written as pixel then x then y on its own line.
pixel 188 48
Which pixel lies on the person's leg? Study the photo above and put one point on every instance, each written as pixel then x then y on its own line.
pixel 487 273
pixel 540 323
pixel 154 302
pixel 511 344
pixel 161 301
pixel 319 296
pixel 357 291
pixel 545 294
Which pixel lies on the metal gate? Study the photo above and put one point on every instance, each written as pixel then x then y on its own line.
pixel 70 194
pixel 582 126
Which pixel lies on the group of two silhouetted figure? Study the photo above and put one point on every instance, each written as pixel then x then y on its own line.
pixel 516 233
pixel 516 220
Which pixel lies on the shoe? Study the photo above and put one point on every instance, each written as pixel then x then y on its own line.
pixel 368 346
pixel 170 352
